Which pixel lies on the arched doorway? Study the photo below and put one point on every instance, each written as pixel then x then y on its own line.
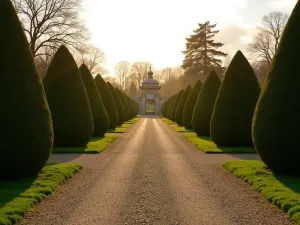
pixel 150 106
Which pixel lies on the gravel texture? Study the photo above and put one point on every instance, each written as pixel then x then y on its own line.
pixel 152 175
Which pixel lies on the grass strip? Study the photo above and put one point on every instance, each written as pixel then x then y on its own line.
pixel 281 190
pixel 95 146
pixel 124 127
pixel 175 126
pixel 18 197
pixel 206 145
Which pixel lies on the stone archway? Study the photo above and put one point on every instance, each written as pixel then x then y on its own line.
pixel 150 106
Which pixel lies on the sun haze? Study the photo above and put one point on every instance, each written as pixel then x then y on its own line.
pixel 155 31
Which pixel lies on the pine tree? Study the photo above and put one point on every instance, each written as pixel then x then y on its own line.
pixel 235 104
pixel 100 117
pixel 69 104
pixel 119 104
pixel 27 135
pixel 205 105
pixel 276 119
pixel 108 101
pixel 190 105
pixel 202 54
pixel 181 105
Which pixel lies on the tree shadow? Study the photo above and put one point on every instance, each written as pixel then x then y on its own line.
pixel 11 189
pixel 291 182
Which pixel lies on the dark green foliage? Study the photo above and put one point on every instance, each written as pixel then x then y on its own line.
pixel 27 135
pixel 181 105
pixel 124 102
pixel 169 109
pixel 235 103
pixel 175 105
pixel 166 106
pixel 108 101
pixel 69 104
pixel 205 105
pixel 190 104
pixel 276 120
pixel 118 102
pixel 100 117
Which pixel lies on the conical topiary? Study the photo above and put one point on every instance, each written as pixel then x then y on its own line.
pixel 108 101
pixel 100 117
pixel 27 136
pixel 126 107
pixel 118 102
pixel 70 107
pixel 276 119
pixel 169 109
pixel 175 105
pixel 235 103
pixel 205 105
pixel 181 105
pixel 190 104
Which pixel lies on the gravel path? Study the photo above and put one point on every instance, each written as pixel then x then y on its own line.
pixel 152 175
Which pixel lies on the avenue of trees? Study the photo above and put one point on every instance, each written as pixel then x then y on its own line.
pixel 235 111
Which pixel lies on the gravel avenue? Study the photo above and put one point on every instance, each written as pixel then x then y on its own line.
pixel 152 175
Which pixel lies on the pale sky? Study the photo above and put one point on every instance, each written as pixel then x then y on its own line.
pixel 155 31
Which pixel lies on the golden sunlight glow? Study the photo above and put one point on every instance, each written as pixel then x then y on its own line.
pixel 155 31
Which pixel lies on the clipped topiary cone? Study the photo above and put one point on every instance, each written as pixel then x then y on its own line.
pixel 190 105
pixel 100 117
pixel 26 126
pixel 205 105
pixel 69 104
pixel 235 104
pixel 276 119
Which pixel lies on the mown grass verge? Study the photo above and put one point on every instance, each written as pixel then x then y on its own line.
pixel 175 126
pixel 95 146
pixel 281 190
pixel 206 145
pixel 18 197
pixel 124 127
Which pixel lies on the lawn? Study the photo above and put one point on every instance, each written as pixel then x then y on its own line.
pixel 124 127
pixel 18 197
pixel 175 126
pixel 281 190
pixel 206 145
pixel 95 146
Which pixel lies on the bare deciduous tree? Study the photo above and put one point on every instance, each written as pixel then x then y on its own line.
pixel 266 41
pixel 122 69
pixel 51 23
pixel 139 71
pixel 93 58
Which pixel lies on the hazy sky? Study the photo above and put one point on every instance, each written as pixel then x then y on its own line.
pixel 155 31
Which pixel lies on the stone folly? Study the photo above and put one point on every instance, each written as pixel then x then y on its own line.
pixel 150 101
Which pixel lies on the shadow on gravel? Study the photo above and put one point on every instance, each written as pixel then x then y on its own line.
pixel 251 156
pixel 63 158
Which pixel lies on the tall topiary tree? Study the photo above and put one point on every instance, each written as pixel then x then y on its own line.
pixel 100 117
pixel 181 105
pixel 108 101
pixel 190 104
pixel 70 108
pixel 27 135
pixel 235 103
pixel 276 119
pixel 169 110
pixel 124 102
pixel 118 102
pixel 175 105
pixel 205 105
